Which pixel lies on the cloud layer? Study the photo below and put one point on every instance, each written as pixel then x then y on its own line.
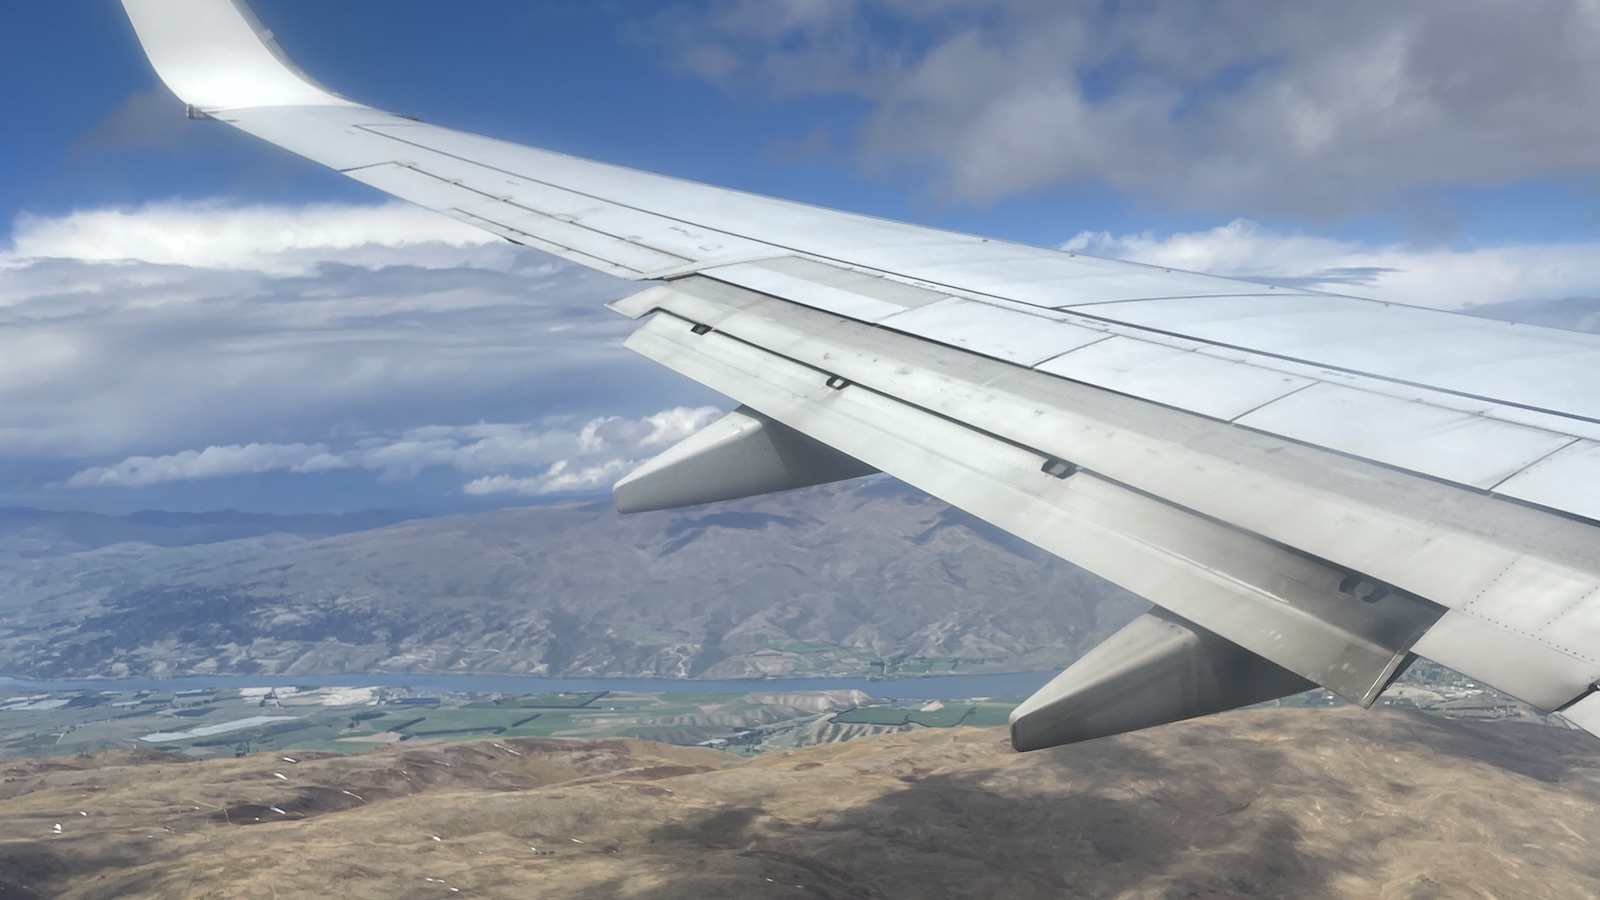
pixel 273 240
pixel 526 460
pixel 200 465
pixel 1306 108
pixel 184 341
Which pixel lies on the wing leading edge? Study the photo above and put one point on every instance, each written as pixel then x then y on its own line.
pixel 1316 489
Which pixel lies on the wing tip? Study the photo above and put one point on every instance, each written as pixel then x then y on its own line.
pixel 217 54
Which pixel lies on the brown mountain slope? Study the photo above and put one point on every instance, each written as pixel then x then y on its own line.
pixel 1273 803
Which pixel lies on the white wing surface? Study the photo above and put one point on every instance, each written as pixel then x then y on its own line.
pixel 1313 487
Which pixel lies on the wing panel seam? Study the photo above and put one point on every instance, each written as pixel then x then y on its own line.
pixel 1494 489
pixel 507 201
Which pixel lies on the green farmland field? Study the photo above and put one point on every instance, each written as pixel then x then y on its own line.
pixel 741 723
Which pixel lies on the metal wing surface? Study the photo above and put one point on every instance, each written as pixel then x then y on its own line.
pixel 1312 487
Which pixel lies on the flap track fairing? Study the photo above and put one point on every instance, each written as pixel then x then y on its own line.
pixel 1157 669
pixel 743 454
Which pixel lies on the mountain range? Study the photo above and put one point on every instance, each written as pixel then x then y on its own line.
pixel 25 531
pixel 853 579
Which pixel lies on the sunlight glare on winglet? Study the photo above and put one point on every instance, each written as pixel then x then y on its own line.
pixel 743 454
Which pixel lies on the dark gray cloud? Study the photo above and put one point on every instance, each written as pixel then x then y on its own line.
pixel 1319 109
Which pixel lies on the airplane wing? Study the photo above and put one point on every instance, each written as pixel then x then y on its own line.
pixel 1313 488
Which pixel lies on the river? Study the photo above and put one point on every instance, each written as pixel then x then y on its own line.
pixel 931 687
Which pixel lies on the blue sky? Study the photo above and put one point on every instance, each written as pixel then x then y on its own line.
pixel 192 320
pixel 587 78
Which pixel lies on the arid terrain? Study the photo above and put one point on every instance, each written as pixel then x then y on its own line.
pixel 1267 803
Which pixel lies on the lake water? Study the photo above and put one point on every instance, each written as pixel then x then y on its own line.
pixel 933 687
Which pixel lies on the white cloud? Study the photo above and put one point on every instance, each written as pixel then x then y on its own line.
pixel 614 447
pixel 490 448
pixel 571 457
pixel 1443 278
pixel 673 425
pixel 200 465
pixel 561 478
pixel 1308 108
pixel 279 240
pixel 128 333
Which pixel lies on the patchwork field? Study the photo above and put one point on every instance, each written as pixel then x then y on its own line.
pixel 226 722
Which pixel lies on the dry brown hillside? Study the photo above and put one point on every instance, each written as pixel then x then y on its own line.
pixel 1273 803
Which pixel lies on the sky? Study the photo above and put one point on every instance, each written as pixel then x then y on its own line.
pixel 193 320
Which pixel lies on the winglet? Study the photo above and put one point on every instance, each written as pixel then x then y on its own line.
pixel 216 55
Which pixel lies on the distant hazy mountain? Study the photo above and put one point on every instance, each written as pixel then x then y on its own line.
pixel 838 580
pixel 39 531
